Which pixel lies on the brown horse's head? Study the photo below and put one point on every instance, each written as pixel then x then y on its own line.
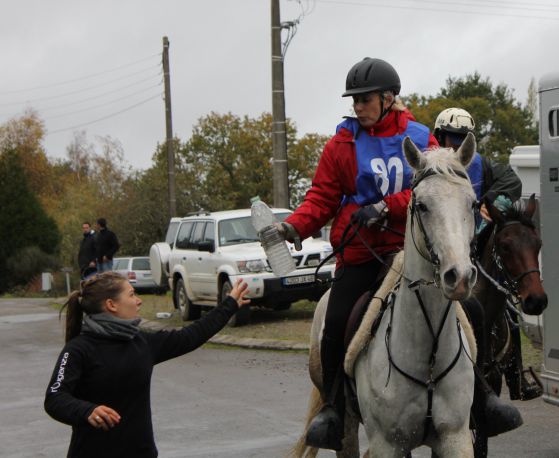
pixel 517 245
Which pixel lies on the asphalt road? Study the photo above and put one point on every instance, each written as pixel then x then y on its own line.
pixel 211 403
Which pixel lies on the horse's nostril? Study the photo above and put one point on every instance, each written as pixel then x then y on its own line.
pixel 450 277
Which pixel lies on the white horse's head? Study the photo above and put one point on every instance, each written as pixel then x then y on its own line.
pixel 442 214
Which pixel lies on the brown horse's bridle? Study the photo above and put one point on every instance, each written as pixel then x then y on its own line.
pixel 510 282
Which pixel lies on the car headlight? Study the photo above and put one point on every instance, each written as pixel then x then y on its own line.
pixel 253 265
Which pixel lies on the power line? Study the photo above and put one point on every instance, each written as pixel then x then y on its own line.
pixel 61 83
pixel 112 115
pixel 97 96
pixel 438 10
pixel 111 102
pixel 106 83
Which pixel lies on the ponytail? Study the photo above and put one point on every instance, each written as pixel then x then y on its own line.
pixel 74 315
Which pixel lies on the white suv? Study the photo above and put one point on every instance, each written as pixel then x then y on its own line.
pixel 205 253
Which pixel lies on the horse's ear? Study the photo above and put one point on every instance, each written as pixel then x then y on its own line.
pixel 493 211
pixel 531 207
pixel 414 156
pixel 467 149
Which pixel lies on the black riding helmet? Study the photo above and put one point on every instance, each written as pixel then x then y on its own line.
pixel 371 75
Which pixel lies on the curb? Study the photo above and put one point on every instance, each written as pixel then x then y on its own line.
pixel 234 341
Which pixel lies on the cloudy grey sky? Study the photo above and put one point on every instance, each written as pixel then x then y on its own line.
pixel 62 58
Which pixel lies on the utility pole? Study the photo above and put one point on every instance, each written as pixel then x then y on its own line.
pixel 279 136
pixel 169 128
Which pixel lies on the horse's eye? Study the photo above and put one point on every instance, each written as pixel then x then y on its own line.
pixel 422 207
pixel 505 247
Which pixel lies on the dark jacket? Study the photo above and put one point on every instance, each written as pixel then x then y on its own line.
pixel 107 244
pixel 93 370
pixel 88 250
pixel 501 179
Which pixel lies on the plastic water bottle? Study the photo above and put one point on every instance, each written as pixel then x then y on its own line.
pixel 274 245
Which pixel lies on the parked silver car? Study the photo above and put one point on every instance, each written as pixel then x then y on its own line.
pixel 138 272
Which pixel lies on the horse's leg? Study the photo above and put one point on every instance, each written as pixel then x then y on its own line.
pixel 379 447
pixel 454 445
pixel 350 441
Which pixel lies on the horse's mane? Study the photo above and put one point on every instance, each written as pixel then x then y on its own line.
pixel 443 162
pixel 518 213
pixel 514 213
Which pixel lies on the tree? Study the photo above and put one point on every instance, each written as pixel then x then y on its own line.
pixel 24 223
pixel 532 102
pixel 228 160
pixel 501 121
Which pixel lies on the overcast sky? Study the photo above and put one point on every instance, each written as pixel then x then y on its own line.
pixel 63 57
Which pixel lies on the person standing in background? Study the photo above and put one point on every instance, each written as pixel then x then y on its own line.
pixel 87 256
pixel 107 245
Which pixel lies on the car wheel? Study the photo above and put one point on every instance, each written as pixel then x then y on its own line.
pixel 242 316
pixel 187 309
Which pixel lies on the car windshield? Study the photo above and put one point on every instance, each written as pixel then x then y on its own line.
pixel 240 230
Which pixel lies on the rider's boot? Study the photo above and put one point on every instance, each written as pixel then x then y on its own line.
pixel 500 417
pixel 326 429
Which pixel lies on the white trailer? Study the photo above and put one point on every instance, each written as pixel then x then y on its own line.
pixel 549 223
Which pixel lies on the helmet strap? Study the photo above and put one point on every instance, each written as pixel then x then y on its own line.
pixel 385 111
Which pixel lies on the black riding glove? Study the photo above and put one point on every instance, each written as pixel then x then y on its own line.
pixel 289 233
pixel 370 214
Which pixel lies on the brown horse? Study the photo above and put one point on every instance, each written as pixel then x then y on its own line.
pixel 509 274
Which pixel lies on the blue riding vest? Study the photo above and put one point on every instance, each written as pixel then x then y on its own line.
pixel 475 172
pixel 382 168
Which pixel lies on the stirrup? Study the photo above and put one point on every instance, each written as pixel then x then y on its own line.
pixel 530 389
pixel 325 430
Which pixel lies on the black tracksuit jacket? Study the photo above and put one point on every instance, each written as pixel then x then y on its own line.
pixel 93 370
pixel 88 251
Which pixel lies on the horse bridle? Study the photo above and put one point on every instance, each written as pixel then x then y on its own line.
pixel 511 283
pixel 416 215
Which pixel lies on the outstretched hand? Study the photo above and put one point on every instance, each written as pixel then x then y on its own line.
pixel 239 291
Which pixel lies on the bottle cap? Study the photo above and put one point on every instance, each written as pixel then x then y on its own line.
pixel 254 199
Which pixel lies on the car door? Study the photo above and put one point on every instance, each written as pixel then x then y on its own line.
pixel 181 251
pixel 210 262
pixel 199 263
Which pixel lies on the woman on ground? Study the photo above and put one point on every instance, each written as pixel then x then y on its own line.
pixel 362 180
pixel 101 382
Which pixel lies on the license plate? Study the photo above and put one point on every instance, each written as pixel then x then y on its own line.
pixel 298 280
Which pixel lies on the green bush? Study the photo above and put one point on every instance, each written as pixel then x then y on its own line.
pixel 28 262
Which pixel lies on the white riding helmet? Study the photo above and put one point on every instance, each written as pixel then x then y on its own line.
pixel 454 120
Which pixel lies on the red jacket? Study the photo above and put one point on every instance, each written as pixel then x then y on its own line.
pixel 334 178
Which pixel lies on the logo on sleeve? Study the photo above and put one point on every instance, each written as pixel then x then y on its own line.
pixel 60 376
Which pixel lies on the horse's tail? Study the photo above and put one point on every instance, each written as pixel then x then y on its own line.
pixel 299 449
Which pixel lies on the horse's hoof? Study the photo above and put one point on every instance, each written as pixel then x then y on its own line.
pixel 500 417
pixel 326 430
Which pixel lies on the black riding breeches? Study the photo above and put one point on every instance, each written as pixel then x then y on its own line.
pixel 351 282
